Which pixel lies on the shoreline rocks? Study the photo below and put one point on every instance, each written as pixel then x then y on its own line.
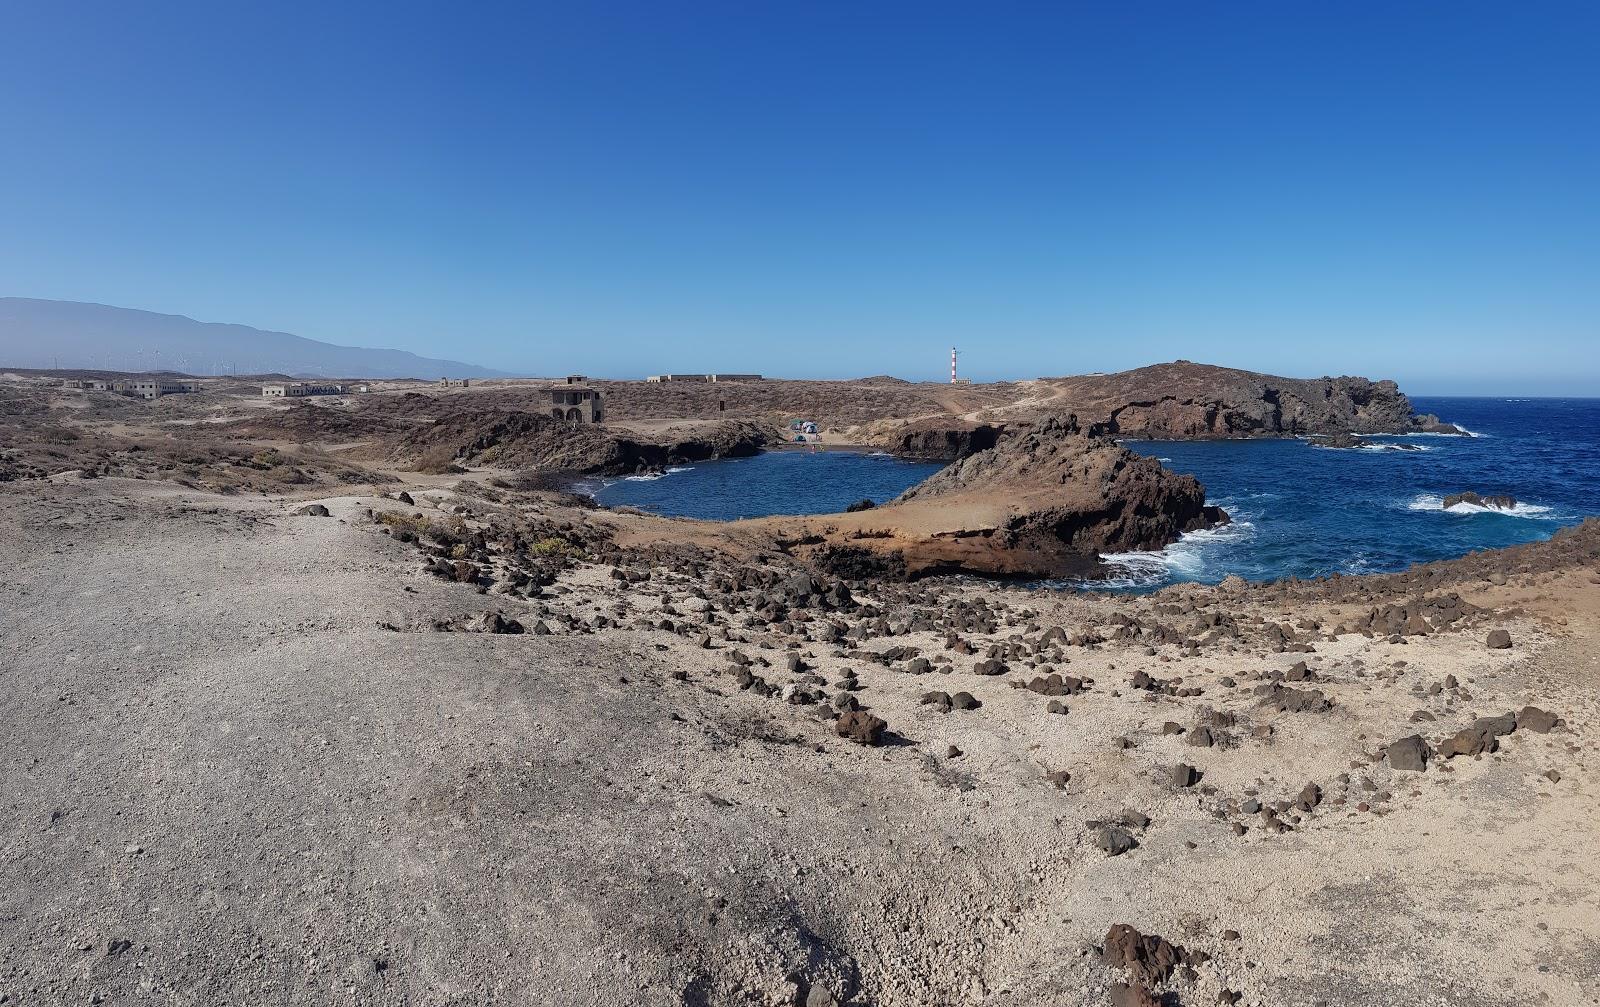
pixel 1493 501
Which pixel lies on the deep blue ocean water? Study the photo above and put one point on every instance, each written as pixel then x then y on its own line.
pixel 790 481
pixel 1298 509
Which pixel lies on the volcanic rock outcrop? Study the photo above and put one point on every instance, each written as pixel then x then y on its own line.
pixel 1492 501
pixel 1044 501
pixel 1188 401
pixel 944 439
pixel 518 439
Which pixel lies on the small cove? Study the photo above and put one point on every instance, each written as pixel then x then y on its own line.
pixel 1298 509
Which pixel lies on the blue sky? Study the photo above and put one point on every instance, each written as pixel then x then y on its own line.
pixel 829 189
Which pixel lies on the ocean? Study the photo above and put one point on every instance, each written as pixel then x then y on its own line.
pixel 1298 509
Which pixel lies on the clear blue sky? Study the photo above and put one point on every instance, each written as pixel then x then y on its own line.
pixel 829 189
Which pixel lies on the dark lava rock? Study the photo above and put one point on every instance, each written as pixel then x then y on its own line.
pixel 1494 501
pixel 1147 958
pixel 1409 754
pixel 493 622
pixel 313 510
pixel 1185 775
pixel 1498 639
pixel 860 505
pixel 1480 738
pixel 1538 721
pixel 1289 700
pixel 861 727
pixel 1114 841
pixel 1309 797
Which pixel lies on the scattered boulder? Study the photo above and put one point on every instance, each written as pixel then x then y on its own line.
pixel 1499 639
pixel 313 510
pixel 861 727
pixel 492 622
pixel 1408 754
pixel 1480 738
pixel 1184 775
pixel 1538 721
pixel 1148 959
pixel 1114 841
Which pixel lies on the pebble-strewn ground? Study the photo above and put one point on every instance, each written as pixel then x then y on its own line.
pixel 484 746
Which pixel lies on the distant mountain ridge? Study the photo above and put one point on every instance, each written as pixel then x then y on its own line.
pixel 76 334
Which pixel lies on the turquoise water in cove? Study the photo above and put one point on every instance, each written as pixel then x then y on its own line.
pixel 1298 509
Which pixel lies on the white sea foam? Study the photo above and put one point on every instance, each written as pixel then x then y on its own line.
pixel 1184 559
pixel 1407 448
pixel 650 477
pixel 1433 503
pixel 1433 433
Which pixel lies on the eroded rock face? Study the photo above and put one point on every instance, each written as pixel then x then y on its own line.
pixel 946 439
pixel 1189 401
pixel 520 439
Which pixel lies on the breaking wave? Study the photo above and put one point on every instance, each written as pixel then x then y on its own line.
pixel 1435 503
pixel 1185 559
pixel 650 477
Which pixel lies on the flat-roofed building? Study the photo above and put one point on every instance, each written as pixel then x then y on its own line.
pixel 154 388
pixel 575 403
pixel 300 390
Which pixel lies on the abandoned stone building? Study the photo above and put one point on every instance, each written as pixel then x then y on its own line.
pixel 154 388
pixel 575 403
pixel 299 390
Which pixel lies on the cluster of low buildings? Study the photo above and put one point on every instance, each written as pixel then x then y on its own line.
pixel 139 388
pixel 301 389
pixel 657 379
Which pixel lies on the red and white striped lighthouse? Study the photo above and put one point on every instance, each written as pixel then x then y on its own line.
pixel 952 365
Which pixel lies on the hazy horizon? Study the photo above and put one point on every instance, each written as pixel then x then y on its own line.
pixel 830 191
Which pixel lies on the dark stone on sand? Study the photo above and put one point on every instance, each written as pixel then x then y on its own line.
pixel 1498 639
pixel 1409 754
pixel 1184 775
pixel 861 727
pixel 1309 797
pixel 313 510
pixel 1147 958
pixel 860 505
pixel 1538 721
pixel 1114 841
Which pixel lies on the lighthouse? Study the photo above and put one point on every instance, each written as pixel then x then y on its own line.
pixel 952 365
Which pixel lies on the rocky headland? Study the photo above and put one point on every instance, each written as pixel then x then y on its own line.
pixel 1189 401
pixel 1045 500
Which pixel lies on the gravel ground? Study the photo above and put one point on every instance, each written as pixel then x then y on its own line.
pixel 227 783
